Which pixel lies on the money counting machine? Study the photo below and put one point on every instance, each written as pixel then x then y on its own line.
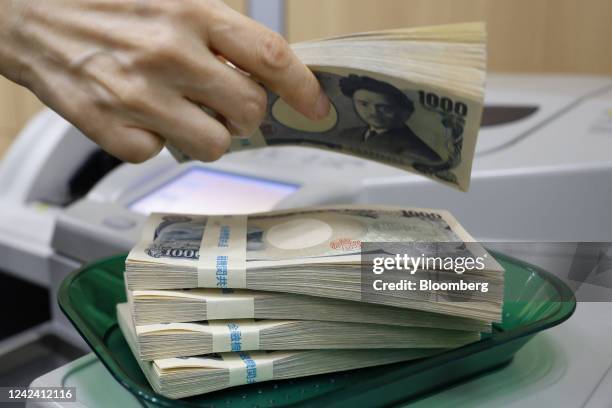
pixel 542 172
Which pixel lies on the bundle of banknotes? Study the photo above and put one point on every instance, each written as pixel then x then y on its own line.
pixel 409 98
pixel 218 301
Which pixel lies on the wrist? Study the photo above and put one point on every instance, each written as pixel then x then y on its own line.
pixel 11 62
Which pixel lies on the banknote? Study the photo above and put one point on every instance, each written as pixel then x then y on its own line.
pixel 195 305
pixel 408 99
pixel 187 376
pixel 320 251
pixel 165 340
pixel 375 117
pixel 288 237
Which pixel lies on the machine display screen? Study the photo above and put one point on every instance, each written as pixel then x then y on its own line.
pixel 201 190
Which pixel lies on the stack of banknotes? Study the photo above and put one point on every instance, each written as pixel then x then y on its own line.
pixel 217 301
pixel 410 98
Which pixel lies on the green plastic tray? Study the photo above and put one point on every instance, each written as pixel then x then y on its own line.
pixel 540 300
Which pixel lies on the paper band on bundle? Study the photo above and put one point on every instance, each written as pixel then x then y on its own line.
pixel 222 262
pixel 219 307
pixel 244 369
pixel 234 336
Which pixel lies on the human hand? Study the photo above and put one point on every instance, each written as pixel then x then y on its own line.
pixel 132 74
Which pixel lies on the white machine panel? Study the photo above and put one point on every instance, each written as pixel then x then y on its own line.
pixel 523 103
pixel 202 190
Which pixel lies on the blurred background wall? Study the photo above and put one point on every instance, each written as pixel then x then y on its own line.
pixel 572 36
pixel 568 36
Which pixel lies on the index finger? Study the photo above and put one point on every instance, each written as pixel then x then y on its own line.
pixel 266 55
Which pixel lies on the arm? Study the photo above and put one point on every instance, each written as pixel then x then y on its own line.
pixel 131 74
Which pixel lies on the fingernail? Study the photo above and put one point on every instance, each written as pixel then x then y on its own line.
pixel 322 107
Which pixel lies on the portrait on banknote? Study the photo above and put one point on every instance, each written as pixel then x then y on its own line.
pixel 375 118
pixel 384 111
